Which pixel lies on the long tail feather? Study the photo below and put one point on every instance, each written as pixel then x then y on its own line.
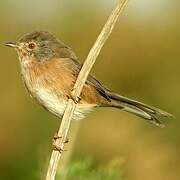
pixel 142 110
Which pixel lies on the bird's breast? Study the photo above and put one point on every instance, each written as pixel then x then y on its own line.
pixel 50 91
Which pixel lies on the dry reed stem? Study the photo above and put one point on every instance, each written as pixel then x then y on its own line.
pixel 71 105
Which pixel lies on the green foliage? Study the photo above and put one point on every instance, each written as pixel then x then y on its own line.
pixel 84 170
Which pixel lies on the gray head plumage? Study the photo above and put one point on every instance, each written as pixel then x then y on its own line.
pixel 45 43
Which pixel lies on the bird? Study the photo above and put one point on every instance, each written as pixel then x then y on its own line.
pixel 49 69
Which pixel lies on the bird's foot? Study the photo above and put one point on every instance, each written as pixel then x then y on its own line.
pixel 75 99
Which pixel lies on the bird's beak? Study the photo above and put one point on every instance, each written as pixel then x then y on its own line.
pixel 11 44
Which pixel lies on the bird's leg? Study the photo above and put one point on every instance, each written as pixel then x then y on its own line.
pixel 71 96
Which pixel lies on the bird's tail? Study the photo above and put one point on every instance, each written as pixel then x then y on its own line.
pixel 142 110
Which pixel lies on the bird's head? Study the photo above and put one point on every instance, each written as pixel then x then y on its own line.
pixel 37 46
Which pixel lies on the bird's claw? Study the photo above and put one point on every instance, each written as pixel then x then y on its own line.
pixel 75 99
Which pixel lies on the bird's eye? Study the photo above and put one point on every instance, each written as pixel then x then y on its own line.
pixel 31 45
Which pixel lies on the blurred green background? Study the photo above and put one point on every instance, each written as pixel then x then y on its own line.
pixel 140 60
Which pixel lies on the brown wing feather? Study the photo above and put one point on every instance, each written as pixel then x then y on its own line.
pixel 93 91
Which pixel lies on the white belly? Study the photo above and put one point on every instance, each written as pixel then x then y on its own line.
pixel 57 107
pixel 51 101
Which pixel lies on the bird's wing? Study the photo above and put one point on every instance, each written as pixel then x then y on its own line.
pixel 76 67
